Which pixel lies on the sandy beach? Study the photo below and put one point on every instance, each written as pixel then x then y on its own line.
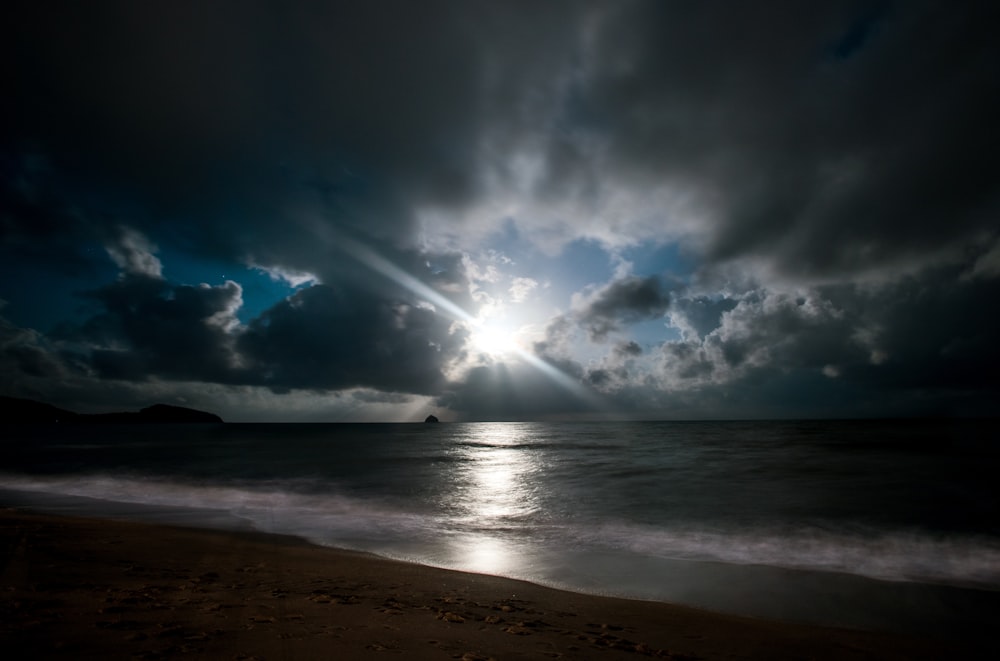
pixel 89 588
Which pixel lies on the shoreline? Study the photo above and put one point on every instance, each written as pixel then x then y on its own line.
pixel 106 588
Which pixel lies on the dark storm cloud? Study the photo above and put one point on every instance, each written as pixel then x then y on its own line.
pixel 607 310
pixel 243 112
pixel 824 138
pixel 927 334
pixel 919 346
pixel 325 338
pixel 236 114
pixel 321 338
pixel 619 373
pixel 246 131
pixel 41 222
pixel 617 369
pixel 830 167
pixel 780 331
pixel 378 397
pixel 367 330
pixel 623 301
pixel 629 348
pixel 23 355
pixel 511 392
pixel 147 327
pixel 823 158
pixel 922 336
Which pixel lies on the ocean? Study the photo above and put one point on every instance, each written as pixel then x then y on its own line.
pixel 889 525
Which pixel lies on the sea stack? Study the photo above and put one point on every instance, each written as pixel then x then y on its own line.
pixel 431 418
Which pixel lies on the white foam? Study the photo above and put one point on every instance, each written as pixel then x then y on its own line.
pixel 271 506
pixel 885 555
pixel 320 514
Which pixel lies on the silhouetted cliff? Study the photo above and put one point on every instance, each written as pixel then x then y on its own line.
pixel 27 411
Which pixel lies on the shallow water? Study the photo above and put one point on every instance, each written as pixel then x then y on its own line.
pixel 869 524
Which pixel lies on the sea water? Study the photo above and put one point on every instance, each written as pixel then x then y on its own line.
pixel 873 524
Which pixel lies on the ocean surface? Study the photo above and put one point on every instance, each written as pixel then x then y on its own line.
pixel 886 524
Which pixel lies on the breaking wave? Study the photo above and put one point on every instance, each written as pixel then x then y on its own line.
pixel 321 514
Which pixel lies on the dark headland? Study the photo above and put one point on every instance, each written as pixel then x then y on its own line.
pixel 26 411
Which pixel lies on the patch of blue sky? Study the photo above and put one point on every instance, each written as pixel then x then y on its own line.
pixel 651 333
pixel 261 290
pixel 667 260
pixel 580 264
pixel 184 269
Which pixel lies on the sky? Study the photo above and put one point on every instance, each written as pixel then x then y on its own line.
pixel 346 211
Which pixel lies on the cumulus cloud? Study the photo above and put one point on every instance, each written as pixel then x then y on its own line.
pixel 824 171
pixel 290 276
pixel 697 315
pixel 320 338
pixel 769 352
pixel 865 335
pixel 623 301
pixel 618 370
pixel 134 254
pixel 149 327
pixel 763 330
pixel 520 288
pixel 329 338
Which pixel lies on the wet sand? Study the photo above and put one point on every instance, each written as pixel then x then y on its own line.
pixel 104 589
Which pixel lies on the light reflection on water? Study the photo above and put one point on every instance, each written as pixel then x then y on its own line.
pixel 495 492
pixel 718 515
pixel 487 555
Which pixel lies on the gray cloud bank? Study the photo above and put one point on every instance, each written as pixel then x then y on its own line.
pixel 830 167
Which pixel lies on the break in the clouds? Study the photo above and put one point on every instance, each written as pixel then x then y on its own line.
pixel 327 210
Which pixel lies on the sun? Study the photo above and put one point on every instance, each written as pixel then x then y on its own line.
pixel 493 339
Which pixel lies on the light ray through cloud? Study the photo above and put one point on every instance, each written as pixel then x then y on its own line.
pixel 380 264
pixel 699 212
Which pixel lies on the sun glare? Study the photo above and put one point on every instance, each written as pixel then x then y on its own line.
pixel 492 339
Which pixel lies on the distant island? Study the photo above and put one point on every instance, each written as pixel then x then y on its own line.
pixel 27 411
pixel 431 418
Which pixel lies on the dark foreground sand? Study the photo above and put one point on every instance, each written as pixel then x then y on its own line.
pixel 84 588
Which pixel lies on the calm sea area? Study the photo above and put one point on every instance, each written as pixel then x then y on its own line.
pixel 872 524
